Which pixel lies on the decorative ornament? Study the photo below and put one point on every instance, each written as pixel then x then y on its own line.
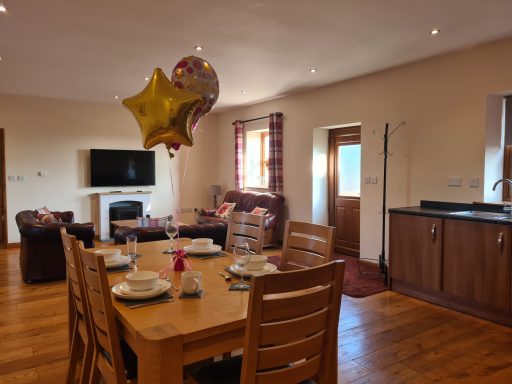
pixel 164 112
pixel 180 261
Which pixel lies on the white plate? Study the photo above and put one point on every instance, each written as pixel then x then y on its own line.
pixel 193 251
pixel 121 261
pixel 268 268
pixel 122 291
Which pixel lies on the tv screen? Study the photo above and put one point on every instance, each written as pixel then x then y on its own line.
pixel 117 168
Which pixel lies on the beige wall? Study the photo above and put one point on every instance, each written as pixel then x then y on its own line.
pixel 55 136
pixel 443 100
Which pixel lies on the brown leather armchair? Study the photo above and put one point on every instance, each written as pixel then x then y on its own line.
pixel 246 201
pixel 41 252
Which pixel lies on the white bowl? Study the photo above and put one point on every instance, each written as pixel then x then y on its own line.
pixel 110 254
pixel 142 280
pixel 256 263
pixel 202 243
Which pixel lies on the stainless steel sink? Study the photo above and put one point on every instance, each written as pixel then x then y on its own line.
pixel 484 215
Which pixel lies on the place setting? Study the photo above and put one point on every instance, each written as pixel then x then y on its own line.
pixel 115 262
pixel 246 265
pixel 203 248
pixel 143 288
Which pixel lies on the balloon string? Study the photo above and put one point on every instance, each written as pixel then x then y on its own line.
pixel 176 213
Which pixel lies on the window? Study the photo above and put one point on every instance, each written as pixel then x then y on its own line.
pixel 256 159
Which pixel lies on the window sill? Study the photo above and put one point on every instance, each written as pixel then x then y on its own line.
pixel 257 189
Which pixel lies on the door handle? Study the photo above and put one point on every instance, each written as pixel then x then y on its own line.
pixel 500 240
pixel 433 232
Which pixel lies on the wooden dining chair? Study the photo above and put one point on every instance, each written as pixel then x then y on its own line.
pixel 291 332
pixel 246 227
pixel 81 346
pixel 107 362
pixel 306 245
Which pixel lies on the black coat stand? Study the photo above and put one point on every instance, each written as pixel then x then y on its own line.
pixel 383 262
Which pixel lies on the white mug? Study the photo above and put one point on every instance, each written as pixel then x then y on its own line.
pixel 191 282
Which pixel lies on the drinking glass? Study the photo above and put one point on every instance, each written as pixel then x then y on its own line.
pixel 171 229
pixel 241 256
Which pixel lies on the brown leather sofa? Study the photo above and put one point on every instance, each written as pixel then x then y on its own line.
pixel 215 231
pixel 41 251
pixel 246 201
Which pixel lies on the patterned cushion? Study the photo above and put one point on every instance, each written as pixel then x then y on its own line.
pixel 224 210
pixel 259 211
pixel 43 211
pixel 47 219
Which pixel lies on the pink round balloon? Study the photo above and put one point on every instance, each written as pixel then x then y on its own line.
pixel 195 75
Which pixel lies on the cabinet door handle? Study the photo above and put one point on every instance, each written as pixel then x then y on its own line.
pixel 433 232
pixel 500 240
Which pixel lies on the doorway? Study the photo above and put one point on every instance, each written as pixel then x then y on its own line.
pixel 345 188
pixel 3 200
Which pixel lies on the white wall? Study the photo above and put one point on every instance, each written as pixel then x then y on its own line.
pixel 55 136
pixel 443 100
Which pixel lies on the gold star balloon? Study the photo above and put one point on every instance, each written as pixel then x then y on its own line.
pixel 164 112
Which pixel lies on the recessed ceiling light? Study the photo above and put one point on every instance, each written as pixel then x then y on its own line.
pixel 312 70
pixel 116 97
pixel 198 48
pixel 243 92
pixel 1 58
pixel 146 78
pixel 435 31
pixel 2 8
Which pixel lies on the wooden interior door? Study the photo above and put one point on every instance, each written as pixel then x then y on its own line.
pixel 3 203
pixel 344 188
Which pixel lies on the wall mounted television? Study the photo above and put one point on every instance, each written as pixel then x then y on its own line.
pixel 120 168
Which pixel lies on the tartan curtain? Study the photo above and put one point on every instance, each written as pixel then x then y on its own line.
pixel 275 158
pixel 239 155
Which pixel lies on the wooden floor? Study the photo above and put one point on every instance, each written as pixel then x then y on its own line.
pixel 384 338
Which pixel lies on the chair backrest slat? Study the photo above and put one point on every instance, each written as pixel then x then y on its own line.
pixel 292 325
pixel 282 355
pixel 246 227
pixel 296 306
pixel 105 332
pixel 306 245
pixel 307 325
pixel 295 374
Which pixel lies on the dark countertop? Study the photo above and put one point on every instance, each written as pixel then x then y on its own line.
pixel 446 210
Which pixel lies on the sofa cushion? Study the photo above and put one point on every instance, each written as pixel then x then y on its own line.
pixel 43 211
pixel 259 211
pixel 224 210
pixel 47 218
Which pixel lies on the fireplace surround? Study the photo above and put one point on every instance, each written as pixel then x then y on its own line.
pixel 128 204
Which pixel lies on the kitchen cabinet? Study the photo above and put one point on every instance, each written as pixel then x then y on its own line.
pixel 477 262
pixel 415 246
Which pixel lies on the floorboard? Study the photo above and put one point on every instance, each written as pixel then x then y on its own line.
pixel 384 338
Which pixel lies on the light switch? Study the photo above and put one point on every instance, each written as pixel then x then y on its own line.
pixel 367 180
pixel 474 182
pixel 11 178
pixel 454 181
pixel 373 179
pixel 21 178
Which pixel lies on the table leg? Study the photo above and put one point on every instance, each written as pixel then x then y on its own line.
pixel 160 355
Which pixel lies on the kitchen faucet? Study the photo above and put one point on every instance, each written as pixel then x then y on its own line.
pixel 506 208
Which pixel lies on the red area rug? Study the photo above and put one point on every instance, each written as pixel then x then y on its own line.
pixel 355 285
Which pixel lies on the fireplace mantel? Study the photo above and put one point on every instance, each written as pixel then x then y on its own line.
pixel 102 201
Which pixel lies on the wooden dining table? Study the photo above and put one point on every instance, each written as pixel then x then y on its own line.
pixel 170 335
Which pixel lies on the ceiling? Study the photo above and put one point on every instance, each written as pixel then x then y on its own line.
pixel 95 49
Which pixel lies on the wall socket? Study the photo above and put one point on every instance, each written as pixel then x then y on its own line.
pixel 454 181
